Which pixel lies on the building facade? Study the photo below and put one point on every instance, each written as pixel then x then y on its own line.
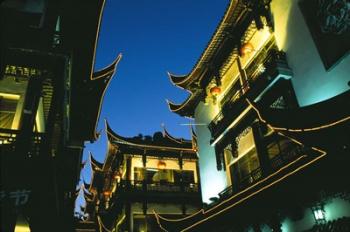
pixel 142 176
pixel 50 99
pixel 264 86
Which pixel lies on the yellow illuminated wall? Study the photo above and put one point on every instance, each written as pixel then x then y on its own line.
pixel 230 76
pixel 205 113
pixel 173 164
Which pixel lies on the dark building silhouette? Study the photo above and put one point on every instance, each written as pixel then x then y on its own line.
pixel 50 99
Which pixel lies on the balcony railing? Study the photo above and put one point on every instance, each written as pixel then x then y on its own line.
pixel 8 139
pixel 243 183
pixel 267 66
pixel 136 185
pixel 286 156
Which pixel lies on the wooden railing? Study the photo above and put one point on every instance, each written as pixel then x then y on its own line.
pixel 260 72
pixel 136 185
pixel 8 139
pixel 287 155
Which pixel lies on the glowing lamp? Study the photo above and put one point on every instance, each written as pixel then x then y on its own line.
pixel 106 193
pixel 247 48
pixel 161 164
pixel 319 214
pixel 117 175
pixel 215 91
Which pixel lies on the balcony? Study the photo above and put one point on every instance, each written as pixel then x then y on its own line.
pixel 261 73
pixel 285 157
pixel 141 189
pixel 8 139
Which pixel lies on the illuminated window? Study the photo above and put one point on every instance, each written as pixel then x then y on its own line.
pixel 319 214
pixel 246 170
pixel 7 111
pixel 153 175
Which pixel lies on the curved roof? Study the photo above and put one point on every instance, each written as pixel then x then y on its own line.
pixel 207 55
pixel 88 196
pixel 314 124
pixel 227 36
pixel 108 71
pixel 319 130
pixel 177 80
pixel 166 142
pixel 200 220
pixel 186 108
pixel 95 165
pixel 169 136
pixel 86 185
pixel 98 86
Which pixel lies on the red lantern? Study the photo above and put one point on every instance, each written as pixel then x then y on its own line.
pixel 247 48
pixel 161 164
pixel 215 91
pixel 107 193
pixel 117 175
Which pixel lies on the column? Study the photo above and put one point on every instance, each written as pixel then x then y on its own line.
pixel 261 150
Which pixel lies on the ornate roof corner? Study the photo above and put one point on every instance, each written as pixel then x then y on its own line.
pixel 180 81
pixel 95 165
pixel 113 136
pixel 108 71
pixel 86 186
pixel 184 109
pixel 100 81
pixel 167 135
pixel 77 191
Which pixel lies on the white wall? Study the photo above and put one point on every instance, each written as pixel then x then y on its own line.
pixel 311 81
pixel 212 180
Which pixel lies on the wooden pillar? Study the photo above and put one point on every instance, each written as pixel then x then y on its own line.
pixel 128 172
pixel 243 76
pixel 198 180
pixel 144 183
pixel 129 217
pixel 182 187
pixel 144 207
pixel 144 158
pixel 261 150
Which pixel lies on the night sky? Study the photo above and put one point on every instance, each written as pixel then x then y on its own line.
pixel 154 37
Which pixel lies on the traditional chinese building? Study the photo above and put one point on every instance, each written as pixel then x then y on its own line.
pixel 140 176
pixel 274 102
pixel 50 99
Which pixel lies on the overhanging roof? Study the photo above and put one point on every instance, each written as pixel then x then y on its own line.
pixel 165 142
pixel 231 32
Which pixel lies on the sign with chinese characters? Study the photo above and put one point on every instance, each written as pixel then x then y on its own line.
pixel 21 72
pixel 329 24
pixel 18 197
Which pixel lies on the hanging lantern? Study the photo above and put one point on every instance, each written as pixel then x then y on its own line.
pixel 117 175
pixel 247 48
pixel 161 164
pixel 215 91
pixel 107 193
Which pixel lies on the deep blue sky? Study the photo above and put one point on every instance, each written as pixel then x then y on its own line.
pixel 154 36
